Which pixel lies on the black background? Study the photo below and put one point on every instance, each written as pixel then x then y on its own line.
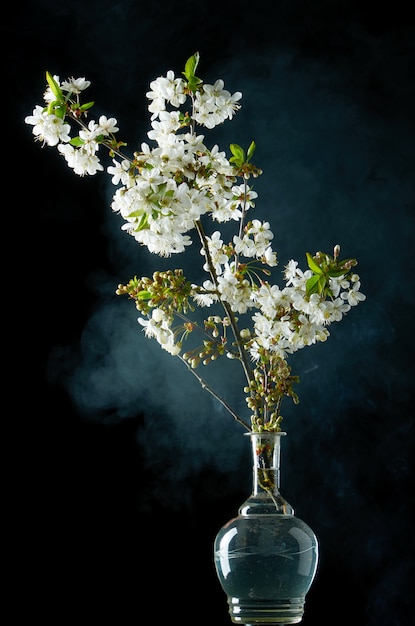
pixel 121 471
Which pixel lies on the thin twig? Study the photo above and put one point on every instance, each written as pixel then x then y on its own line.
pixel 213 393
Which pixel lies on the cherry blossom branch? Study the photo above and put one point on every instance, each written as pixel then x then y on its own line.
pixel 242 353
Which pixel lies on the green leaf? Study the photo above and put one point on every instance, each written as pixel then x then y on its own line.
pixel 143 295
pixel 57 109
pixel 194 84
pixel 322 283
pixel 313 265
pixel 315 284
pixel 142 224
pixel 237 150
pixel 251 151
pixel 86 106
pixel 137 213
pixel 190 67
pixel 54 87
pixel 336 273
pixel 238 153
pixel 189 72
pixel 77 142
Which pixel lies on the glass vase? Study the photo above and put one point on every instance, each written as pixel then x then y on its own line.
pixel 266 557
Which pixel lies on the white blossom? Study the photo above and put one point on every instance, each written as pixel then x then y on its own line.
pixel 74 85
pixel 80 160
pixel 158 326
pixel 236 292
pixel 165 88
pixel 215 249
pixel 47 127
pixel 120 173
pixel 107 126
pixel 353 296
pixel 206 295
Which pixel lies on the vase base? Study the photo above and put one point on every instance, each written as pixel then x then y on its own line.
pixel 269 612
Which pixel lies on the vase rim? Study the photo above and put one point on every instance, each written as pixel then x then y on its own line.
pixel 280 433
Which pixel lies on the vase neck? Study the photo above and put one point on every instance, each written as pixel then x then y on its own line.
pixel 266 497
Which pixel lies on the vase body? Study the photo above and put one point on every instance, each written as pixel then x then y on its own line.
pixel 266 558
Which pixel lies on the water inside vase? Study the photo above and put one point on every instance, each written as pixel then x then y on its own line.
pixel 266 567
